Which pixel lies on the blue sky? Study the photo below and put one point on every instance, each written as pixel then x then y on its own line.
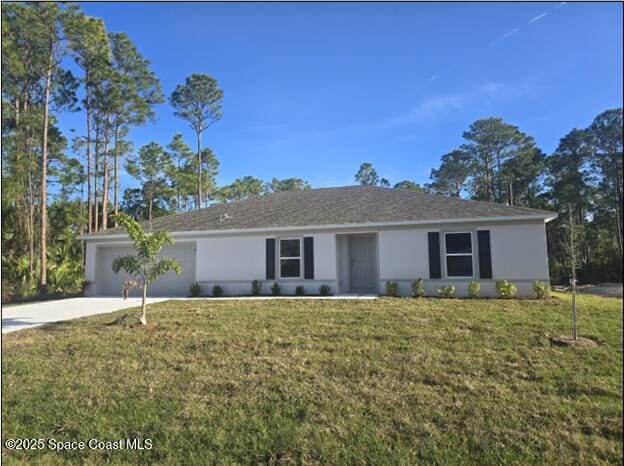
pixel 312 90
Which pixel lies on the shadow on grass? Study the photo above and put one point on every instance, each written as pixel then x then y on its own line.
pixel 9 323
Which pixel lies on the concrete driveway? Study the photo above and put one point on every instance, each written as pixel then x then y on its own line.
pixel 23 316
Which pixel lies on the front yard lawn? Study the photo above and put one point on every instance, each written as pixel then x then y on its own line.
pixel 390 381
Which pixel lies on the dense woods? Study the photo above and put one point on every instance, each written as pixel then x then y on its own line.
pixel 56 59
pixel 581 181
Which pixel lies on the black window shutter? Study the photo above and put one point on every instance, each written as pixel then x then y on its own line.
pixel 308 258
pixel 485 255
pixel 270 259
pixel 435 270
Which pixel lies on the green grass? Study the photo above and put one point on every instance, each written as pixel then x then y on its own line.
pixel 391 381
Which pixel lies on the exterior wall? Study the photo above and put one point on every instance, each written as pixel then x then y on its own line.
pixel 518 253
pixel 233 262
pixel 90 263
pixel 342 262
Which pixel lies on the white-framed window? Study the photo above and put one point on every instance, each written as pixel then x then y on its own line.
pixel 290 257
pixel 458 254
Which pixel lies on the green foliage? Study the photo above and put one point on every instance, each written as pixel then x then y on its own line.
pixel 240 189
pixel 446 291
pixel 150 167
pixel 17 281
pixel 145 266
pixel 542 290
pixel 287 184
pixel 197 101
pixel 418 288
pixel 451 178
pixel 367 175
pixel 276 289
pixel 195 289
pixel 392 289
pixel 325 290
pixel 492 145
pixel 300 290
pixel 407 184
pixel 505 289
pixel 256 287
pixel 217 291
pixel 66 277
pixel 474 289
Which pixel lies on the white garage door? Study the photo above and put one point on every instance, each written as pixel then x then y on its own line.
pixel 109 284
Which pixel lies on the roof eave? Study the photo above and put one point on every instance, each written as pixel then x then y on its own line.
pixel 545 216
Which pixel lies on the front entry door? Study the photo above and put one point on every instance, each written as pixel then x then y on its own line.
pixel 363 263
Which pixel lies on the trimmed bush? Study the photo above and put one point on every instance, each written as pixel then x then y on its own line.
pixel 195 289
pixel 255 287
pixel 217 291
pixel 418 288
pixel 541 289
pixel 474 289
pixel 446 291
pixel 505 289
pixel 392 289
pixel 300 290
pixel 325 290
pixel 276 289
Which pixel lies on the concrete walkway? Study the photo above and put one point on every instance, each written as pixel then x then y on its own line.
pixel 23 316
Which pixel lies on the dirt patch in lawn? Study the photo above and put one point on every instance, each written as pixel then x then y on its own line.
pixel 580 342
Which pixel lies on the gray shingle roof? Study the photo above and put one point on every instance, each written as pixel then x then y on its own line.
pixel 332 206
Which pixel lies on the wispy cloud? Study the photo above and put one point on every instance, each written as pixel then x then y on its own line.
pixel 505 36
pixel 439 106
pixel 538 17
pixel 510 33
pixel 428 110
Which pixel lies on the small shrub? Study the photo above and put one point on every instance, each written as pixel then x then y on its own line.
pixel 474 289
pixel 446 291
pixel 217 291
pixel 506 289
pixel 541 289
pixel 300 290
pixel 418 288
pixel 276 290
pixel 325 290
pixel 255 287
pixel 195 289
pixel 392 289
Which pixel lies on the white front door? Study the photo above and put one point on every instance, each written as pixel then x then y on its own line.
pixel 363 263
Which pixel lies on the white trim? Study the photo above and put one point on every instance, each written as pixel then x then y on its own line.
pixel 199 233
pixel 457 254
pixel 299 258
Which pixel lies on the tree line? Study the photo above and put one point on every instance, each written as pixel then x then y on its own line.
pixel 57 59
pixel 581 181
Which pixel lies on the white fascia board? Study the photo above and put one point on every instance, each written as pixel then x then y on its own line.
pixel 201 233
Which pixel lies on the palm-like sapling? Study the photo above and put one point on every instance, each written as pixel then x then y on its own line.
pixel 144 267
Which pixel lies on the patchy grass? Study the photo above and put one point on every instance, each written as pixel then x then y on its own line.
pixel 396 380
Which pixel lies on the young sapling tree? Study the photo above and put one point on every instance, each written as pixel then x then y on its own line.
pixel 144 267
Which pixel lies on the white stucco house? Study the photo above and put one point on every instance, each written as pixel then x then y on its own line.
pixel 353 239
